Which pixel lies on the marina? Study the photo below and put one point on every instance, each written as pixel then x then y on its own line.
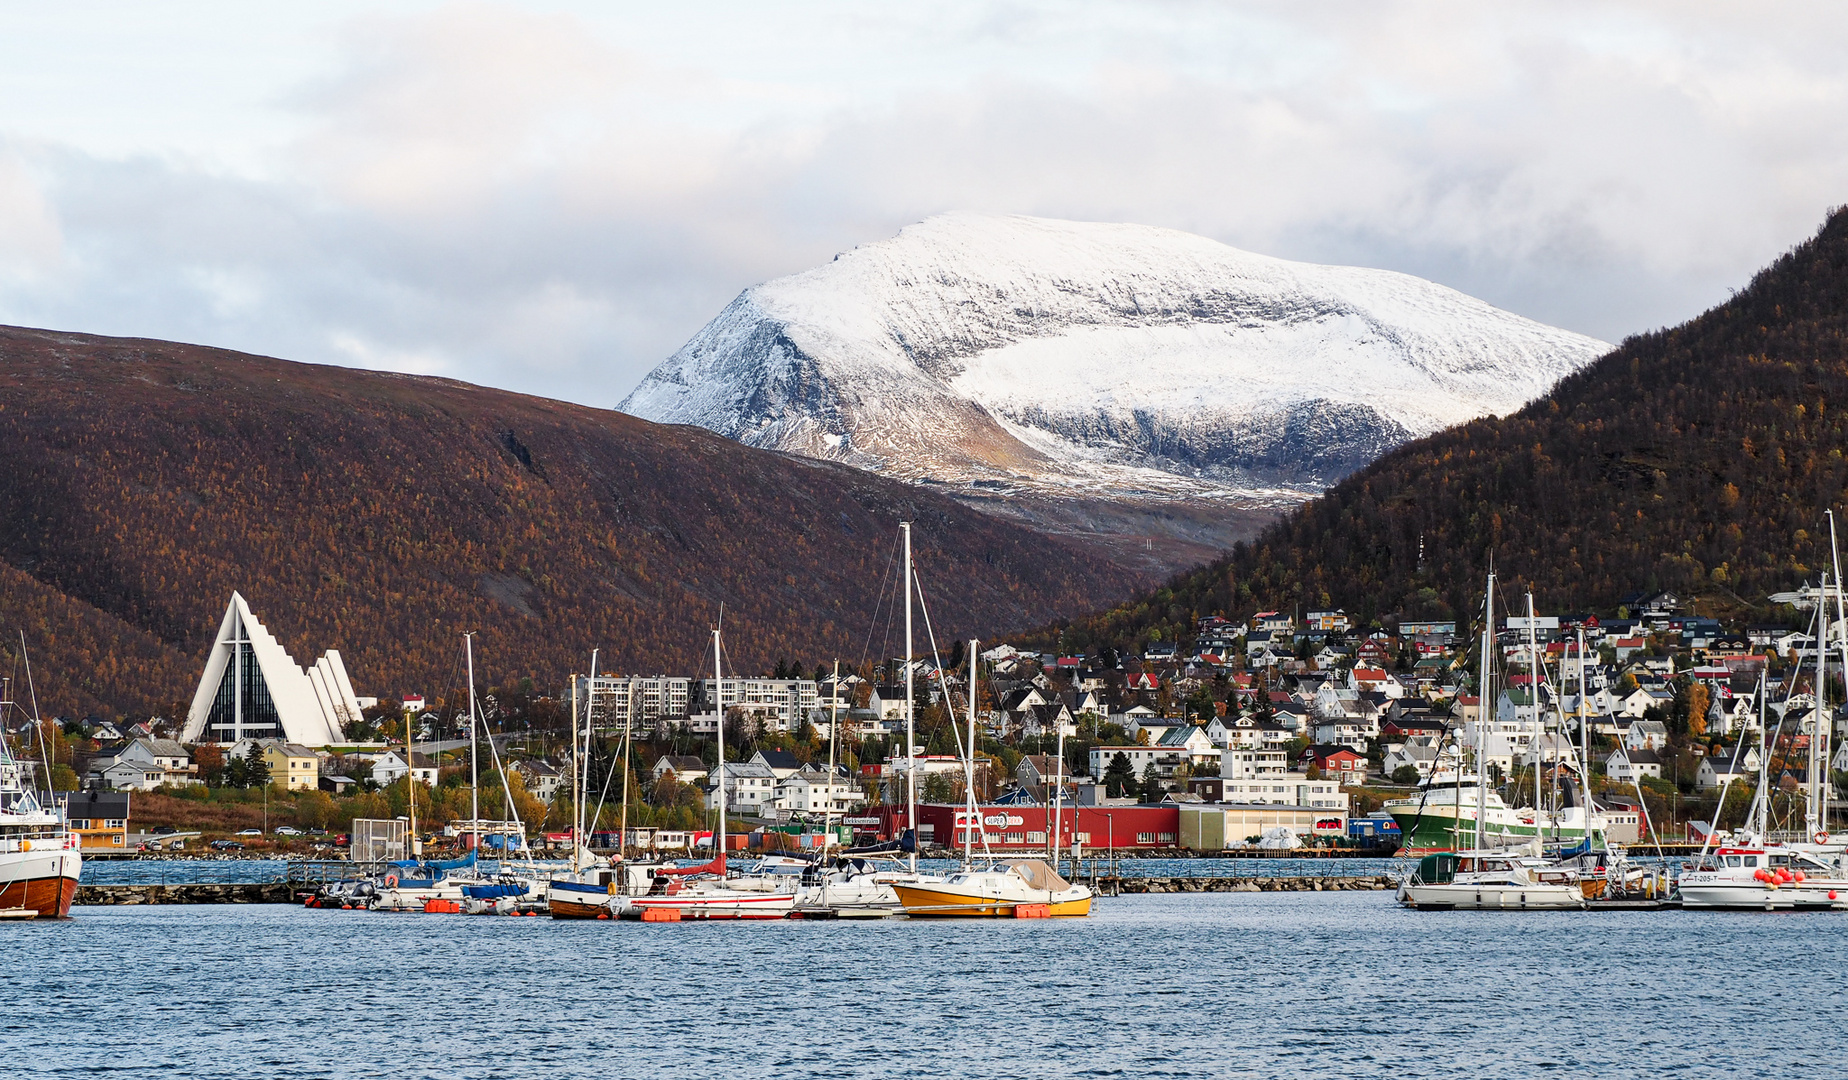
pixel 892 998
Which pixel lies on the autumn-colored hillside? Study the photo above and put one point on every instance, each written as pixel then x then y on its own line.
pixel 1700 459
pixel 142 481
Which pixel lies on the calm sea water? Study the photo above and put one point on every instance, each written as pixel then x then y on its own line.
pixel 1244 984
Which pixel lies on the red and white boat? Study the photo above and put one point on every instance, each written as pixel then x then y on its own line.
pixel 765 896
pixel 1750 873
pixel 39 856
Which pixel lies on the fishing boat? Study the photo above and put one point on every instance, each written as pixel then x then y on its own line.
pixel 999 891
pixel 1448 807
pixel 1754 874
pixel 39 857
pixel 1486 880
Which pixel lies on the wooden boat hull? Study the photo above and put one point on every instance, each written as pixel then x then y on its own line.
pixel 44 885
pixel 571 902
pixel 926 902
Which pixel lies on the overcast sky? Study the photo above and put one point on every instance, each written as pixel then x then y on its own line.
pixel 553 197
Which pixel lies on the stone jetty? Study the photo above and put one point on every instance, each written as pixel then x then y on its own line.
pixel 277 892
pixel 1113 886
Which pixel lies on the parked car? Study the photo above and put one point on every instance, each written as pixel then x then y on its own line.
pixel 164 830
pixel 287 830
pixel 317 832
pixel 248 832
pixel 226 845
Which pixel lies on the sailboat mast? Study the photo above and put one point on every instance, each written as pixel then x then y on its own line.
pixel 718 705
pixel 1058 795
pixel 410 783
pixel 834 735
pixel 911 760
pixel 1762 802
pixel 590 727
pixel 1482 709
pixel 474 769
pixel 577 796
pixel 1841 618
pixel 1817 735
pixel 628 742
pixel 1584 726
pixel 1533 702
pixel 975 813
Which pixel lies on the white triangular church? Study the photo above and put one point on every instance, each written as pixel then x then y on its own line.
pixel 253 689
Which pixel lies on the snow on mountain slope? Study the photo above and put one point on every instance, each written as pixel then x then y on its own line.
pixel 1017 353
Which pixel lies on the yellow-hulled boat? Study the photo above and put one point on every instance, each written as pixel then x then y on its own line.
pixel 996 893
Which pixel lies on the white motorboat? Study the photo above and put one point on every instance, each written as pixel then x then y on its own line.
pixel 692 895
pixel 854 888
pixel 1000 891
pixel 1485 881
pixel 1752 874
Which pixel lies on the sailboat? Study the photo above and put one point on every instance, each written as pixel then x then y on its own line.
pixel 706 891
pixel 1481 877
pixel 1452 805
pixel 585 891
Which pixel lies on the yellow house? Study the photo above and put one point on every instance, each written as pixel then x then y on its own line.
pixel 292 767
pixel 99 818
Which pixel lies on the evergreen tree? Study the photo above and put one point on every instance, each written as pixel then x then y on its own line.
pixel 1119 777
pixel 1152 791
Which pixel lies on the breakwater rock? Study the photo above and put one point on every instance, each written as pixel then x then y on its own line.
pixel 276 892
pixel 1113 886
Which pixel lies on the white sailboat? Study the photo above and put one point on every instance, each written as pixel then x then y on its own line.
pixel 1480 878
pixel 707 892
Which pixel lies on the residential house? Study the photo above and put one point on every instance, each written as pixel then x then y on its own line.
pixel 1632 765
pixel 389 767
pixel 1037 771
pixel 99 818
pixel 1193 741
pixel 143 764
pixel 1242 764
pixel 1339 763
pixel 541 778
pixel 1646 735
pixel 1737 764
pixel 814 790
pixel 686 768
pixel 781 763
pixel 292 767
pixel 750 787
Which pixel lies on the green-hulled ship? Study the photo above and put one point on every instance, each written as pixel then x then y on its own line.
pixel 1442 817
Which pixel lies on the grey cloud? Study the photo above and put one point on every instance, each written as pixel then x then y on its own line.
pixel 502 198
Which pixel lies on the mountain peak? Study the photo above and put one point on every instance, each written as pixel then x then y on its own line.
pixel 1055 356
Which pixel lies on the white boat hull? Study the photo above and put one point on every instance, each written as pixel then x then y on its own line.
pixel 1510 897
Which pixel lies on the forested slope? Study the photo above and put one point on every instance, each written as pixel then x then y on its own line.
pixel 142 481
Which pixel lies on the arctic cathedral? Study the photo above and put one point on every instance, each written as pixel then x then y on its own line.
pixel 253 689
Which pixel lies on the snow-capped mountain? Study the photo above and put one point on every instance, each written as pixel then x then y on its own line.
pixel 1070 358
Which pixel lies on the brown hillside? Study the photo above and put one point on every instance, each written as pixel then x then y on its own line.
pixel 383 514
pixel 1700 459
